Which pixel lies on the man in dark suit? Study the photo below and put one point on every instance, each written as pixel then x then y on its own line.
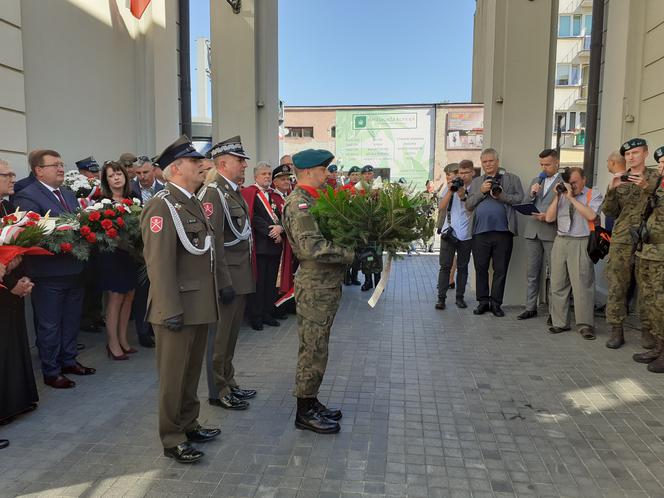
pixel 538 233
pixel 57 298
pixel 268 244
pixel 143 187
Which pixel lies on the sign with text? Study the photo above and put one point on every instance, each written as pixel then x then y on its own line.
pixel 399 140
pixel 465 130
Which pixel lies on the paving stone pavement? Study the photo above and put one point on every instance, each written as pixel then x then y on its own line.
pixel 436 403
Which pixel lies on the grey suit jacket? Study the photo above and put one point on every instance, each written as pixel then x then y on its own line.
pixel 540 229
pixel 512 194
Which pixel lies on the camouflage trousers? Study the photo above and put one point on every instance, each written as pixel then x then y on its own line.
pixel 650 279
pixel 316 309
pixel 619 274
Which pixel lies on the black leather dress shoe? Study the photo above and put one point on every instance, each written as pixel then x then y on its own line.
pixel 366 285
pixel 184 453
pixel 328 413
pixel 78 369
pixel 460 303
pixel 243 393
pixel 482 308
pixel 257 325
pixel 4 443
pixel 230 402
pixel 440 305
pixel 525 315
pixel 146 341
pixel 313 421
pixel 497 310
pixel 202 435
pixel 558 330
pixel 271 322
pixel 59 382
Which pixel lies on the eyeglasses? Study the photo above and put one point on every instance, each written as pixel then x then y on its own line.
pixel 8 175
pixel 56 165
pixel 287 164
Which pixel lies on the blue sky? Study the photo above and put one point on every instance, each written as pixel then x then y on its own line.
pixel 334 52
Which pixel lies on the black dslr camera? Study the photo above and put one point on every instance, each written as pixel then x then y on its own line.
pixel 625 176
pixel 565 175
pixel 496 187
pixel 456 184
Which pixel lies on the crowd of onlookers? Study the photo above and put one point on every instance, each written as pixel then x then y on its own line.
pixel 560 217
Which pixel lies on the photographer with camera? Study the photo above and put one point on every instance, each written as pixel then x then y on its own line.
pixel 538 233
pixel 650 267
pixel 575 209
pixel 625 200
pixel 494 225
pixel 455 235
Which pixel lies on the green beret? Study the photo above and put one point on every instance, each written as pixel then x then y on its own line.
pixel 354 169
pixel 659 153
pixel 312 158
pixel 632 144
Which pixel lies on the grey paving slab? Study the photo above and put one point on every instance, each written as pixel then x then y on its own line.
pixel 436 404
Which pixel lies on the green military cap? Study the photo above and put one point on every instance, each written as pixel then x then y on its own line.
pixel 367 169
pixel 632 144
pixel 312 158
pixel 659 153
pixel 354 169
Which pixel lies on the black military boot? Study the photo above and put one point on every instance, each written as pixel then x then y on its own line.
pixel 617 337
pixel 648 341
pixel 308 418
pixel 328 413
pixel 650 355
pixel 368 284
pixel 657 366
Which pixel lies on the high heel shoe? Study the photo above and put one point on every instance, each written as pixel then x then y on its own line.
pixel 116 358
pixel 129 351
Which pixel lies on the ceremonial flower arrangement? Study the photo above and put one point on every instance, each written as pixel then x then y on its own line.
pixel 387 219
pixel 81 185
pixel 105 226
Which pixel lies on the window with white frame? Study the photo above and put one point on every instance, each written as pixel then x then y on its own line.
pixel 568 74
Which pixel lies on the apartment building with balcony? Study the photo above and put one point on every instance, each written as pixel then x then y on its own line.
pixel 571 78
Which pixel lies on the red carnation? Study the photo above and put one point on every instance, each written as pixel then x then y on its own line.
pixel 120 222
pixel 85 230
pixel 66 247
pixel 91 237
pixel 30 224
pixel 9 219
pixel 63 228
pixel 94 216
pixel 111 233
pixel 121 209
pixel 33 216
pixel 127 202
pixel 106 224
pixel 109 213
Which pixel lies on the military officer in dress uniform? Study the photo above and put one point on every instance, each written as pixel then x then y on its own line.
pixel 229 216
pixel 650 267
pixel 179 255
pixel 317 289
pixel 625 201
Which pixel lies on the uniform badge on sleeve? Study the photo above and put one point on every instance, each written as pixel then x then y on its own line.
pixel 303 205
pixel 208 209
pixel 156 224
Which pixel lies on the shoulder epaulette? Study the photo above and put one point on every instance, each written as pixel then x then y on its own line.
pixel 162 193
pixel 212 185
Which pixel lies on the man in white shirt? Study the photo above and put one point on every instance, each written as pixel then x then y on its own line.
pixel 456 225
pixel 572 270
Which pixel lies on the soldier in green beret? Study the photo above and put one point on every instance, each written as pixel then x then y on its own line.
pixel 317 289
pixel 650 268
pixel 625 200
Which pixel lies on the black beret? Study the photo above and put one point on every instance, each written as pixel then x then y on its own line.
pixel 659 153
pixel 368 168
pixel 632 144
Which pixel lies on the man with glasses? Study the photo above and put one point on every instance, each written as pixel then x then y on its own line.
pixel 7 182
pixel 57 298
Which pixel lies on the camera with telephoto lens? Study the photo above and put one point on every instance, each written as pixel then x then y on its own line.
pixel 565 175
pixel 456 184
pixel 496 187
pixel 625 176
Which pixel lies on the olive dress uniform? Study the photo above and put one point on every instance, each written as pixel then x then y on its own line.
pixel 625 203
pixel 317 295
pixel 234 271
pixel 182 276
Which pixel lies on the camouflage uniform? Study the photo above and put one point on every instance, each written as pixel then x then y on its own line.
pixel 317 289
pixel 625 203
pixel 650 268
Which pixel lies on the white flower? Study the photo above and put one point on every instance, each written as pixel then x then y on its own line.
pixel 136 201
pixel 98 205
pixel 106 201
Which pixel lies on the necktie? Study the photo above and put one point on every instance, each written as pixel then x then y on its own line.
pixel 146 194
pixel 58 194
